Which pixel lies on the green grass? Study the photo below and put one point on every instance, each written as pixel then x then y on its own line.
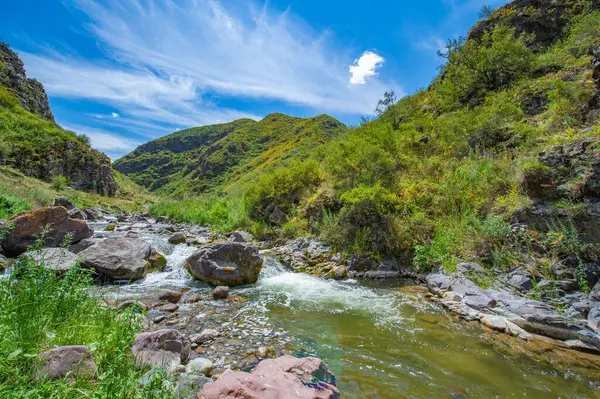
pixel 39 310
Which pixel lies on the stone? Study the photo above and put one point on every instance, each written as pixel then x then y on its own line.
pixel 163 348
pixel 205 336
pixel 171 296
pixel 66 362
pixel 193 299
pixel 177 238
pixel 156 259
pixel 362 264
pixel 93 213
pixel 521 282
pixel 161 219
pixel 200 365
pixel 241 236
pixel 83 244
pixel 77 214
pixel 56 259
pixel 27 226
pixel 120 258
pixel 130 303
pixel 284 377
pixel 220 292
pixel 110 227
pixel 467 268
pixel 159 319
pixel 3 262
pixel 169 307
pixel 225 263
pixel 264 352
pixel 155 373
pixel 65 203
pixel 190 384
pixel 340 272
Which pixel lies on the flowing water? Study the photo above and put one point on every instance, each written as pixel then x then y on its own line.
pixel 387 341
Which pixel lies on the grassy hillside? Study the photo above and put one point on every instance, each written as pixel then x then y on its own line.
pixel 438 177
pixel 225 157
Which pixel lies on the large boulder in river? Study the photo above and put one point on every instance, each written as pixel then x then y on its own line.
pixel 122 258
pixel 25 227
pixel 284 377
pixel 225 263
pixel 56 259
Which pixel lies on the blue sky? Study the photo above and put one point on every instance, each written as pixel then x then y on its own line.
pixel 128 71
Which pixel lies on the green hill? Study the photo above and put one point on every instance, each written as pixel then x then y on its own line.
pixel 225 156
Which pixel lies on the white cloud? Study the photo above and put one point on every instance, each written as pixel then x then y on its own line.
pixel 163 57
pixel 105 141
pixel 365 66
pixel 115 115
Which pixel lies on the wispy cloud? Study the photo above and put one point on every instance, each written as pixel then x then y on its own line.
pixel 163 59
pixel 112 144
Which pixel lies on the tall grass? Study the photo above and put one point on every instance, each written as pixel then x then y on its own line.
pixel 40 310
pixel 221 214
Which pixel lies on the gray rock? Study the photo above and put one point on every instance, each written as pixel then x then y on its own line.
pixel 162 219
pixel 200 365
pixel 220 292
pixel 171 296
pixel 241 236
pixel 65 203
pixel 177 238
pixel 83 244
pixel 467 268
pixel 93 213
pixel 130 303
pixel 3 262
pixel 226 263
pixel 205 336
pixel 163 347
pixel 66 361
pixel 520 282
pixel 155 373
pixel 169 307
pixel 190 384
pixel 56 259
pixel 120 258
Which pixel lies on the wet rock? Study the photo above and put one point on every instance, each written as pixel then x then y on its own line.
pixel 132 234
pixel 284 377
pixel 205 336
pixel 27 226
pixel 159 319
pixel 169 307
pixel 171 296
pixel 200 365
pixel 57 259
pixel 120 258
pixel 77 214
pixel 162 219
pixel 362 264
pixel 340 272
pixel 93 213
pixel 110 227
pixel 241 236
pixel 264 352
pixel 220 292
pixel 177 238
pixel 225 263
pixel 65 203
pixel 193 299
pixel 163 347
pixel 66 361
pixel 190 384
pixel 129 303
pixel 156 259
pixel 3 262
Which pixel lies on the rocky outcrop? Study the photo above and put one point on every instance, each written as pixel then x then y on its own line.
pixel 163 348
pixel 30 92
pixel 56 259
pixel 225 263
pixel 27 226
pixel 284 377
pixel 121 258
pixel 544 19
pixel 66 362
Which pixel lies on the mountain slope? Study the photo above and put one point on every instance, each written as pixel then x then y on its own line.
pixel 33 143
pixel 225 156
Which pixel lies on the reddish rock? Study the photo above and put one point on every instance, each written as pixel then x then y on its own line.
pixel 284 377
pixel 163 347
pixel 27 226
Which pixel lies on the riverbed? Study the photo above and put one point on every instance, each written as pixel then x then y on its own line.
pixel 381 340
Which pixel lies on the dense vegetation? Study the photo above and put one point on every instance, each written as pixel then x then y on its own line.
pixel 437 177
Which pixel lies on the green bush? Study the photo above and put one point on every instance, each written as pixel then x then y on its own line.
pixel 59 182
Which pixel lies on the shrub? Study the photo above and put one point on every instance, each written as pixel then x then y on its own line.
pixel 59 182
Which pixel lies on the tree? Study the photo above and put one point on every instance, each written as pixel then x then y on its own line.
pixel 389 99
pixel 486 12
pixel 387 109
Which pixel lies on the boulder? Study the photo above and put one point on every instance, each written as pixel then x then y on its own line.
pixel 77 214
pixel 241 236
pixel 205 336
pixel 284 377
pixel 177 238
pixel 190 384
pixel 27 226
pixel 120 258
pixel 83 244
pixel 93 213
pixel 171 296
pixel 594 306
pixel 225 263
pixel 56 259
pixel 220 292
pixel 66 361
pixel 162 219
pixel 467 268
pixel 65 203
pixel 199 365
pixel 160 348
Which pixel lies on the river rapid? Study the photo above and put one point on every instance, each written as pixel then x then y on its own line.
pixel 384 340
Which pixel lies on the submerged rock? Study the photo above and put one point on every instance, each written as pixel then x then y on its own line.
pixel 225 263
pixel 121 258
pixel 163 347
pixel 27 226
pixel 220 292
pixel 284 377
pixel 66 361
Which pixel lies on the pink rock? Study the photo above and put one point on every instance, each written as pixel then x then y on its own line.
pixel 66 361
pixel 163 347
pixel 282 378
